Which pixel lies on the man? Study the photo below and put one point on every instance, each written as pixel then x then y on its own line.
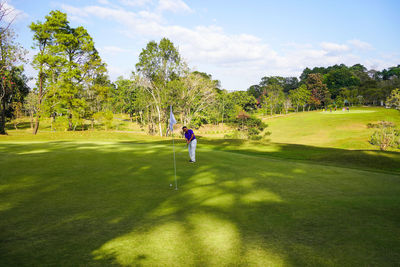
pixel 192 142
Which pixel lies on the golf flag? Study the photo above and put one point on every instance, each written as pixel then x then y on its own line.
pixel 172 120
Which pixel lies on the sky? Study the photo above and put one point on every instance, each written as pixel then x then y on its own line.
pixel 238 42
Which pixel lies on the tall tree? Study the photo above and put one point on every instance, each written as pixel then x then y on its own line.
pixel 319 91
pixel 300 96
pixel 274 96
pixel 198 94
pixel 340 78
pixel 82 63
pixel 70 69
pixel 46 60
pixel 394 99
pixel 10 54
pixel 158 64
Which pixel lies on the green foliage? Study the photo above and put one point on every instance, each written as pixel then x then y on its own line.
pixel 242 99
pixel 159 64
pixel 339 102
pixel 13 86
pixel 71 73
pixel 105 118
pixel 248 126
pixel 394 99
pixel 340 78
pixel 300 96
pixel 61 123
pixel 319 92
pixel 386 136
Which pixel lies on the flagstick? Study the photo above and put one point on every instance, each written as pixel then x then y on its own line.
pixel 173 145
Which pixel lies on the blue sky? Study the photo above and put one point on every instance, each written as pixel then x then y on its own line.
pixel 238 42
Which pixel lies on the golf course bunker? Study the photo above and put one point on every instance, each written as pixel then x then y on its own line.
pixel 339 112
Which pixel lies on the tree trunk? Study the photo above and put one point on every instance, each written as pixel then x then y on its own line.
pixel 159 120
pixel 2 118
pixel 35 130
pixel 31 115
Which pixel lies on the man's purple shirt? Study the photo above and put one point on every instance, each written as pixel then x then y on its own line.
pixel 188 134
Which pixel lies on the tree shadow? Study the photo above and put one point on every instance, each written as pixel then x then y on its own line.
pixel 20 126
pixel 67 203
pixel 373 160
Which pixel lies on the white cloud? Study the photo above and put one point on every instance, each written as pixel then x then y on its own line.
pixel 174 6
pixel 360 44
pixel 12 14
pixel 113 50
pixel 104 2
pixel 237 59
pixel 135 3
pixel 333 47
pixel 116 71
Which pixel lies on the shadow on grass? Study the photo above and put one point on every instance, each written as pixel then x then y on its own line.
pixel 373 160
pixel 20 126
pixel 64 203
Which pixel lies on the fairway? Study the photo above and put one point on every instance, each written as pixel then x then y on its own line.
pixel 86 203
pixel 336 129
pixel 341 112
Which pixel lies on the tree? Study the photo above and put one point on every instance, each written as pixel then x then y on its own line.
pixel 10 54
pixel 394 99
pixel 158 64
pixel 199 93
pixel 248 126
pixel 340 78
pixel 46 61
pixel 275 96
pixel 300 96
pixel 125 95
pixel 241 99
pixel 287 104
pixel 70 70
pixel 319 91
pixel 30 105
pixel 82 66
pixel 255 90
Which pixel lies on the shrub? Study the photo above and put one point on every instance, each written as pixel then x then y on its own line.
pixel 61 123
pixel 106 118
pixel 248 126
pixel 386 136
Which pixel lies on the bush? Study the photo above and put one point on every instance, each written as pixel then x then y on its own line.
pixel 61 123
pixel 380 124
pixel 105 118
pixel 249 127
pixel 386 136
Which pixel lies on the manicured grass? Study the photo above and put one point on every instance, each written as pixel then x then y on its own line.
pixel 347 130
pixel 83 203
pixel 318 195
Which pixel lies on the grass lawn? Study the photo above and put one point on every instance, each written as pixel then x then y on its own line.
pixel 98 198
pixel 338 129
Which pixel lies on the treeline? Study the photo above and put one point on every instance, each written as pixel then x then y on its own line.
pixel 327 87
pixel 74 90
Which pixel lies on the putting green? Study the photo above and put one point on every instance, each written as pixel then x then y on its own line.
pixel 102 203
pixel 340 112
